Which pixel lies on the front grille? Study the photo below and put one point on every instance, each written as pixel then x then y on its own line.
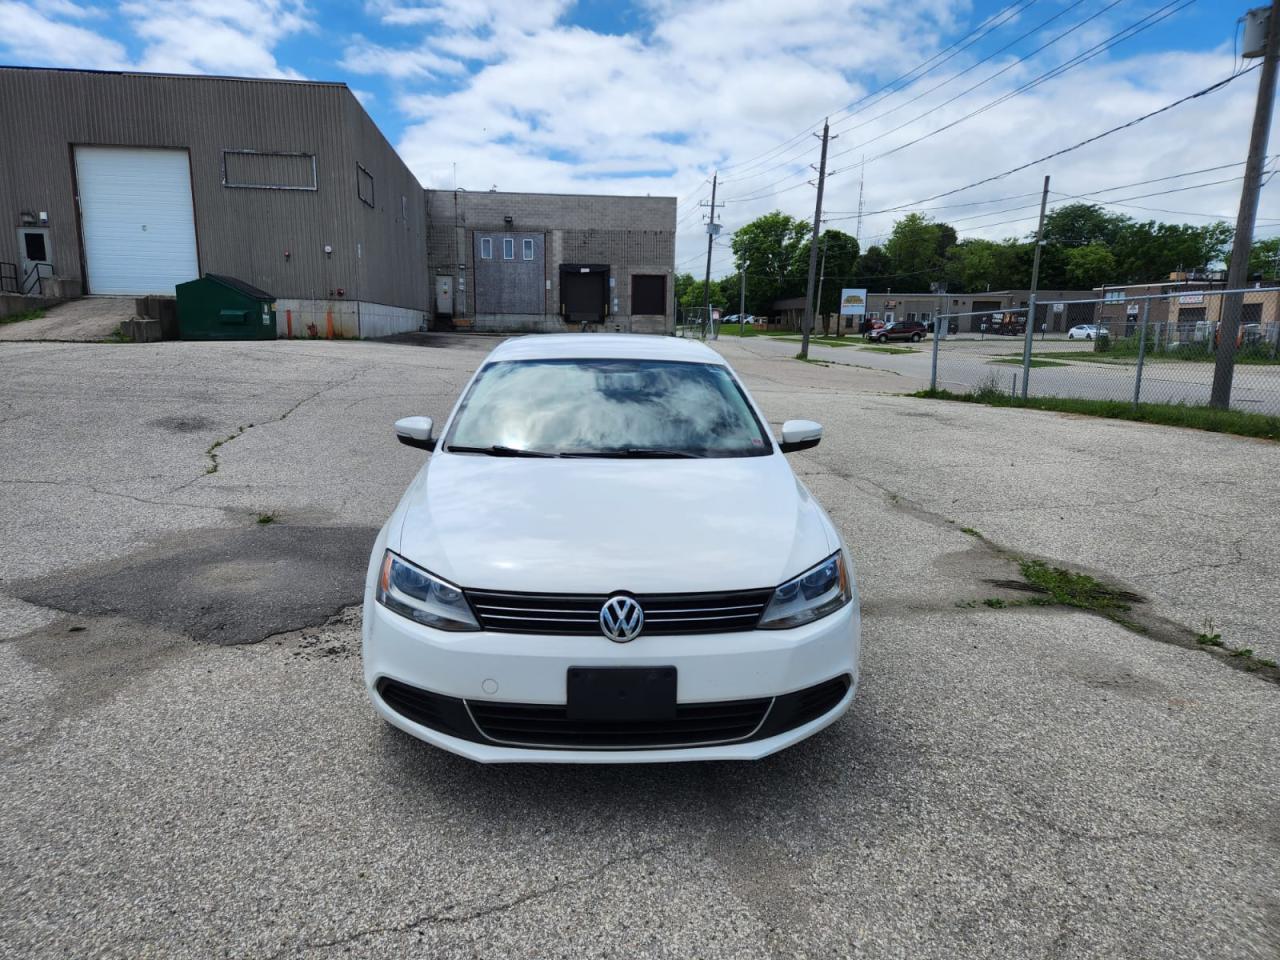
pixel 576 614
pixel 539 725
pixel 542 725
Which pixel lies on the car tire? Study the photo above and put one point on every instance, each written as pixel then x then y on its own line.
pixel 1088 336
pixel 915 338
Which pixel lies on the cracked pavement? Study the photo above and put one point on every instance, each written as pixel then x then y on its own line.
pixel 1011 782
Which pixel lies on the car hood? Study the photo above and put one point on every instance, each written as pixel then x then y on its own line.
pixel 596 526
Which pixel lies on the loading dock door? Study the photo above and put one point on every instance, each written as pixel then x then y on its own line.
pixel 584 293
pixel 136 219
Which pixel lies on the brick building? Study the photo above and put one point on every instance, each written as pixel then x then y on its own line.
pixel 550 262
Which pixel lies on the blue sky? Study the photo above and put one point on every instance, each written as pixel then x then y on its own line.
pixel 651 97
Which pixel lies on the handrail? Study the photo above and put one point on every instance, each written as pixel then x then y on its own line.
pixel 38 277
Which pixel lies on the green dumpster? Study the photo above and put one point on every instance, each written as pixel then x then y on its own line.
pixel 224 308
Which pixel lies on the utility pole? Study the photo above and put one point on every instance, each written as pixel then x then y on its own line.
pixel 1238 269
pixel 712 229
pixel 822 275
pixel 813 243
pixel 742 296
pixel 1035 280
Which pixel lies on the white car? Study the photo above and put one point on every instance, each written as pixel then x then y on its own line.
pixel 1085 331
pixel 607 559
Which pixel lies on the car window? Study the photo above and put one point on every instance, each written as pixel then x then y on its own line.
pixel 604 406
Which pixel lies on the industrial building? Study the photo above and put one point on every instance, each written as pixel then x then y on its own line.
pixel 124 183
pixel 130 184
pixel 551 262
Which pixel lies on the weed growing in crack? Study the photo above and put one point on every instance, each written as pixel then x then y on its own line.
pixel 265 518
pixel 970 531
pixel 995 603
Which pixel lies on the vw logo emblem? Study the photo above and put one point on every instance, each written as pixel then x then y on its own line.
pixel 621 619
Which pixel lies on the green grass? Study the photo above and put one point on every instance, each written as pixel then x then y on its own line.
pixel 1211 419
pixel 890 349
pixel 24 315
pixel 1035 362
pixel 1126 348
pixel 1068 589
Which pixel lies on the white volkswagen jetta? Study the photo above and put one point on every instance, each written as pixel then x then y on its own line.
pixel 607 559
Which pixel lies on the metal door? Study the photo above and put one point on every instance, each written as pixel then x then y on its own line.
pixel 36 258
pixel 444 296
pixel 136 218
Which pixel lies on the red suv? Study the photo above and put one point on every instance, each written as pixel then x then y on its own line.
pixel 912 330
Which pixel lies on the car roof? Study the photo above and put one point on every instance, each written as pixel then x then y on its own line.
pixel 619 346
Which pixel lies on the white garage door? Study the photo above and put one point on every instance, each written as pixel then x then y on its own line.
pixel 136 218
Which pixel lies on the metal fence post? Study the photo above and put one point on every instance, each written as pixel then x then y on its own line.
pixel 1142 352
pixel 939 323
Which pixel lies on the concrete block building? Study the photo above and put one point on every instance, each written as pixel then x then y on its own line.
pixel 551 262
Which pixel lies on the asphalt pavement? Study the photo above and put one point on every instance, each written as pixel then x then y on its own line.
pixel 1012 782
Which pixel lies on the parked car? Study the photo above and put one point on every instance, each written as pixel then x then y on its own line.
pixel 1086 331
pixel 912 330
pixel 565 581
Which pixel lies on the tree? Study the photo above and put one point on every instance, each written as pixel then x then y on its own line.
pixel 1151 251
pixel 770 245
pixel 1089 266
pixel 1082 225
pixel 873 271
pixel 841 252
pixel 1264 258
pixel 917 248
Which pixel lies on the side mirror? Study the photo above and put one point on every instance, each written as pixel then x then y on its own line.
pixel 800 435
pixel 415 432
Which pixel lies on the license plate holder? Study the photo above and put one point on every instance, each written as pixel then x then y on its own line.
pixel 621 693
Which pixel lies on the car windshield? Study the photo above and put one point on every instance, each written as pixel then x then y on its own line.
pixel 607 408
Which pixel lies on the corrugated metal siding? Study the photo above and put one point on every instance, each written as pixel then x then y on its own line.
pixel 244 233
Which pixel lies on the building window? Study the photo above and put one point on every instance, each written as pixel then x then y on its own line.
pixel 649 294
pixel 924 316
pixel 508 248
pixel 261 170
pixel 486 248
pixel 911 317
pixel 528 249
pixel 1112 296
pixel 364 185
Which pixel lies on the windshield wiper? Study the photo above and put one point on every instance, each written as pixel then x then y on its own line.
pixel 635 452
pixel 497 450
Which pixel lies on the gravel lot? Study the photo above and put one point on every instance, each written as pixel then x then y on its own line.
pixel 1017 782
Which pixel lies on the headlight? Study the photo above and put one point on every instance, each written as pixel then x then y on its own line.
pixel 412 592
pixel 815 593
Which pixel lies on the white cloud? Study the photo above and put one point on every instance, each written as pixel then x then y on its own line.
pixel 366 58
pixel 235 37
pixel 34 34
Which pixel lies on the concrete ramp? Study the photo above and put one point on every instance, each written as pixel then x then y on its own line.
pixel 85 319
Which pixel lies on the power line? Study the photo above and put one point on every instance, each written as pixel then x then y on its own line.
pixel 1212 88
pixel 1115 39
pixel 1012 9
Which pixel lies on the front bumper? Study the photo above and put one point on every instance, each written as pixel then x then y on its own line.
pixel 501 670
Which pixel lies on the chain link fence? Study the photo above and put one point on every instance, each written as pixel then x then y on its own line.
pixel 1161 348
